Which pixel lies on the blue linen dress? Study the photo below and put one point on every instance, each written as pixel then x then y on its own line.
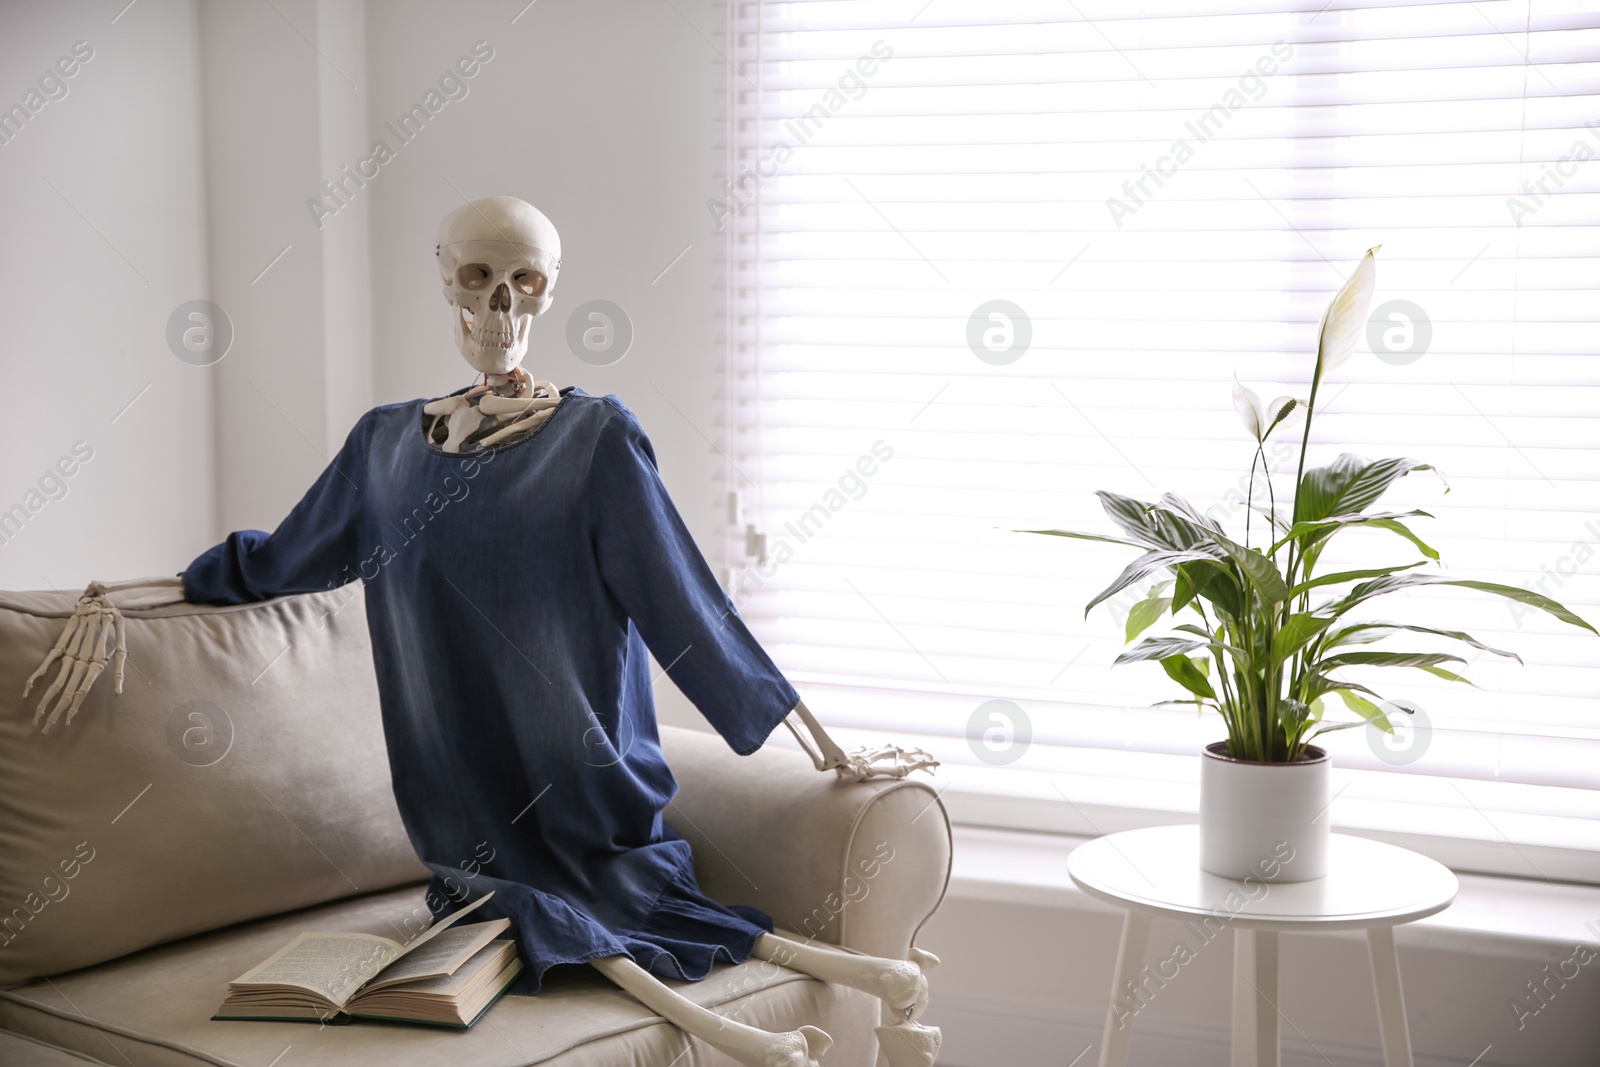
pixel 511 596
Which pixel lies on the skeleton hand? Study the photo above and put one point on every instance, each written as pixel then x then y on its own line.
pixel 887 761
pixel 82 652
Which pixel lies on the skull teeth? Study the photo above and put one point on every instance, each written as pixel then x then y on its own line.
pixel 500 332
pixel 492 338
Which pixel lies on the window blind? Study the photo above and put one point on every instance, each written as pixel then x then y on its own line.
pixel 985 258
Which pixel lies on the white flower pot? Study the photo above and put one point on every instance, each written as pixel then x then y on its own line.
pixel 1267 821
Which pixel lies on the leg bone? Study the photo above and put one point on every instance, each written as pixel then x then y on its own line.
pixel 746 1044
pixel 901 984
pixel 909 1044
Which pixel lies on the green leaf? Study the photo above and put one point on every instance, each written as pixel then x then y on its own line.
pixel 1348 485
pixel 1261 571
pixel 1279 523
pixel 1366 637
pixel 1363 633
pixel 1404 531
pixel 1154 526
pixel 1082 536
pixel 1328 728
pixel 1184 588
pixel 1296 631
pixel 1144 614
pixel 1143 566
pixel 1387 659
pixel 1182 670
pixel 1218 585
pixel 1365 708
pixel 1395 582
pixel 1159 648
pixel 1449 676
pixel 1131 515
pixel 1315 685
pixel 1352 576
pixel 1315 531
pixel 1187 515
pixel 1215 641
pixel 1293 715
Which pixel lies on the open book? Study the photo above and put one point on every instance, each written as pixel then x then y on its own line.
pixel 444 977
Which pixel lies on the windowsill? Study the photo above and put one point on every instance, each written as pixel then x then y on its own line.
pixel 1062 791
pixel 1011 847
pixel 1493 915
pixel 1084 808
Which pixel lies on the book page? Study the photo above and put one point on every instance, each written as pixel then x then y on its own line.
pixel 444 924
pixel 332 966
pixel 495 955
pixel 441 957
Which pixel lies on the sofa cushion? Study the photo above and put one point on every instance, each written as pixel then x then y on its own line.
pixel 241 773
pixel 153 1009
pixel 19 1051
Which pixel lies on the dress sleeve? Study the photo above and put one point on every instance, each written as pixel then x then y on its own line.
pixel 655 571
pixel 314 548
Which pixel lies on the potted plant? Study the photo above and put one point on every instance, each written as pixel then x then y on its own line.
pixel 1268 635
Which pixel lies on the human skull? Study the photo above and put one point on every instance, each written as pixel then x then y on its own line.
pixel 498 259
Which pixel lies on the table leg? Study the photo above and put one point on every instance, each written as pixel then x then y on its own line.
pixel 1391 1003
pixel 1130 958
pixel 1255 998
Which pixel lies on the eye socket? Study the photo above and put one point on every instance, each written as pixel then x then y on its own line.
pixel 529 282
pixel 472 275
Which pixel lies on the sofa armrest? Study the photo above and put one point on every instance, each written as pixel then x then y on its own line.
pixel 857 864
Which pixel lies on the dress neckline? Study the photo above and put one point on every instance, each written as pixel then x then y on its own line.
pixel 555 412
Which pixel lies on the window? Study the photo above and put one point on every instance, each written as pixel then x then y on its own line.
pixel 1159 202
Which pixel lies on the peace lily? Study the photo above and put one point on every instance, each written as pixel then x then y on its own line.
pixel 1260 421
pixel 1267 639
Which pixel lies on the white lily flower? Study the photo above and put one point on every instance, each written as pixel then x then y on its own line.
pixel 1261 420
pixel 1345 318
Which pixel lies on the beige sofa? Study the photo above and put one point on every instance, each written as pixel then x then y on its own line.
pixel 238 792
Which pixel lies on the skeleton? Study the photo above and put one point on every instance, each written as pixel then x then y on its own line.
pixel 498 260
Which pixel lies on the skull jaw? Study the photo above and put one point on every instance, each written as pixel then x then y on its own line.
pixel 493 359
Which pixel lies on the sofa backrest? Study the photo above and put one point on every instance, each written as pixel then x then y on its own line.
pixel 241 773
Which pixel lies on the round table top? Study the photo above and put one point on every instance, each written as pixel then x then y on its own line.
pixel 1157 871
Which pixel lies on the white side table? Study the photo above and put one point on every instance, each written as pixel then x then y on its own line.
pixel 1371 886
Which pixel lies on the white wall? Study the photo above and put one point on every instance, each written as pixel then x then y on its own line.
pixel 102 210
pixel 285 97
